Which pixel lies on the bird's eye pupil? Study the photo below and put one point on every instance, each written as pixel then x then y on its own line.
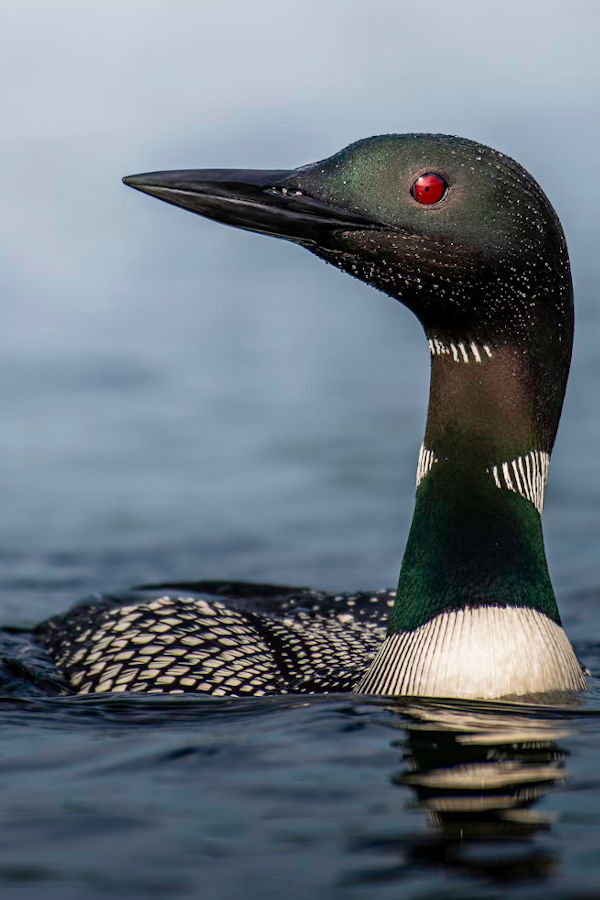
pixel 429 188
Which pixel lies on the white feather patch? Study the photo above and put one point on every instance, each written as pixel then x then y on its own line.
pixel 426 460
pixel 479 653
pixel 526 475
pixel 461 351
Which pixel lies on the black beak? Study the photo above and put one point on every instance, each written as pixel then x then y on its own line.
pixel 270 202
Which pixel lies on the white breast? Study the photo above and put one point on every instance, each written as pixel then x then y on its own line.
pixel 478 653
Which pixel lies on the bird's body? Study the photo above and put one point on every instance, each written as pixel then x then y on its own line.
pixel 465 238
pixel 225 639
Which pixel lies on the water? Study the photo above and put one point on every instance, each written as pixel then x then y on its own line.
pixel 335 797
pixel 181 401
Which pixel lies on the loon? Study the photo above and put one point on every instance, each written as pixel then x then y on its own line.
pixel 465 238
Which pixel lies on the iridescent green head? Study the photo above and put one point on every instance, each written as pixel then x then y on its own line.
pixel 484 258
pixel 458 232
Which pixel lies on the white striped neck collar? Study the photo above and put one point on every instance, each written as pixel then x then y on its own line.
pixel 526 474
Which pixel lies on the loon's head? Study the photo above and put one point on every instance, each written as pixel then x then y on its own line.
pixel 457 231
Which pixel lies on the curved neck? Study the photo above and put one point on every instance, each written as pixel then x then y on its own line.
pixel 494 402
pixel 476 536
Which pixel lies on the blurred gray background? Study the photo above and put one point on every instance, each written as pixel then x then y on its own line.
pixel 180 400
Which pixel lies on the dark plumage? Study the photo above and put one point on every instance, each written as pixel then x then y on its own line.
pixel 219 638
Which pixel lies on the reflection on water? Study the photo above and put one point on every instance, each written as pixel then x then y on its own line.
pixel 326 796
pixel 477 772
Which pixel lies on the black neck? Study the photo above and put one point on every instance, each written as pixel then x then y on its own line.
pixel 476 536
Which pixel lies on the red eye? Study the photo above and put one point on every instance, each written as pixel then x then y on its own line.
pixel 428 188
